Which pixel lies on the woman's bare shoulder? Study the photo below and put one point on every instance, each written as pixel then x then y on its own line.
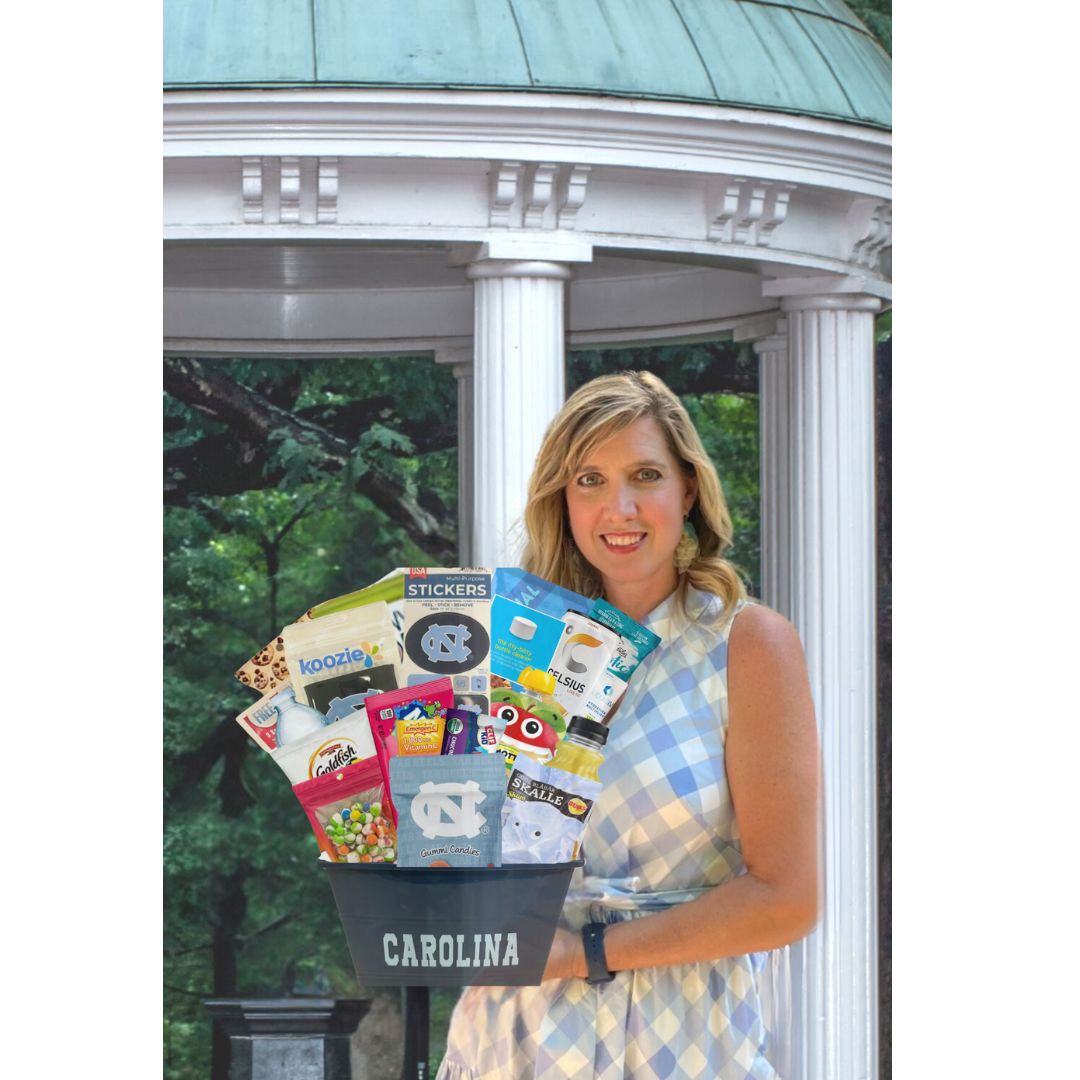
pixel 763 650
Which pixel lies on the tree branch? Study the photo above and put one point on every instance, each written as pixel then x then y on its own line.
pixel 252 420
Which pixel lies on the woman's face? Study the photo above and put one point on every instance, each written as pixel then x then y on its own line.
pixel 626 505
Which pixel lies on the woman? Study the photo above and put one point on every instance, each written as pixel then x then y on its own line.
pixel 701 849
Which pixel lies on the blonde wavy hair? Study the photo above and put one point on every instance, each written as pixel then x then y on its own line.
pixel 594 413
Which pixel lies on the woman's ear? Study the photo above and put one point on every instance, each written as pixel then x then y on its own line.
pixel 691 493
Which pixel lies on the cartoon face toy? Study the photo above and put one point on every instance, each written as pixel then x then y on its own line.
pixel 527 732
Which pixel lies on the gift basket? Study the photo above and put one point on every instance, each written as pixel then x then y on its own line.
pixel 443 730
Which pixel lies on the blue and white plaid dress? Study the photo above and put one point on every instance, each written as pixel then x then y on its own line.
pixel 662 832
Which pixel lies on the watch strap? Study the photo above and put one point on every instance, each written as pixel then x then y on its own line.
pixel 592 935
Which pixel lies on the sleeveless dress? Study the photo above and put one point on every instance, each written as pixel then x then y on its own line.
pixel 662 832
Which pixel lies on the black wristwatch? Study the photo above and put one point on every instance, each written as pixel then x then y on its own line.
pixel 593 937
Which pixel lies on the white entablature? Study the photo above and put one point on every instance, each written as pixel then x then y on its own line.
pixel 672 215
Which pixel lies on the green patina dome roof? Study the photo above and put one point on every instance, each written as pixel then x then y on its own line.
pixel 810 57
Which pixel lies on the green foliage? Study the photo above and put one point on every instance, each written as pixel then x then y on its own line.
pixel 876 16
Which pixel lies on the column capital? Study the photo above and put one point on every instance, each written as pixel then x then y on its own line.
pixel 517 268
pixel 831 302
pixel 775 343
pixel 524 245
pixel 767 326
pixel 458 357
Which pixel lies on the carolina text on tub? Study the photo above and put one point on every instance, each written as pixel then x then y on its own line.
pixel 450 950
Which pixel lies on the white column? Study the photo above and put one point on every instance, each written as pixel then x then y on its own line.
pixel 518 386
pixel 460 360
pixel 818 537
pixel 773 406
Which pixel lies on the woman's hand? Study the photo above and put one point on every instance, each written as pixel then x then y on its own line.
pixel 567 957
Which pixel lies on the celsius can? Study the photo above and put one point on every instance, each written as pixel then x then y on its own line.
pixel 580 659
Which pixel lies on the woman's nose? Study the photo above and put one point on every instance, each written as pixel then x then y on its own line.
pixel 621 502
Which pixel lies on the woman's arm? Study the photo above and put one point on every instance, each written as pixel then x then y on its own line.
pixel 772 760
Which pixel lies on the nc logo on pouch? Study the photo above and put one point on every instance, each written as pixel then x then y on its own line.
pixel 448 809
pixel 447 643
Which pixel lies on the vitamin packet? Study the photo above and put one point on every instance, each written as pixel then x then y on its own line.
pixel 347 811
pixel 326 751
pixel 343 654
pixel 544 813
pixel 420 735
pixel 410 702
pixel 449 809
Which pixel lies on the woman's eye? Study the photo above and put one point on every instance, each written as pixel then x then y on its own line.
pixel 589 480
pixel 648 474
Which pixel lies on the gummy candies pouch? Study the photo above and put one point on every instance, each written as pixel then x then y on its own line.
pixel 449 809
pixel 348 813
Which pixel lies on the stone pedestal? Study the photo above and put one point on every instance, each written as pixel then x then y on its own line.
pixel 296 1038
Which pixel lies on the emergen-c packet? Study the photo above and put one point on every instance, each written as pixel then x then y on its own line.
pixel 347 811
pixel 326 751
pixel 341 655
pixel 410 702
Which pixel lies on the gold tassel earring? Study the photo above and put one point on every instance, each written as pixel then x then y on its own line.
pixel 686 551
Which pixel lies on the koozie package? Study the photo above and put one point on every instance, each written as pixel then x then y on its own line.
pixel 343 655
pixel 449 809
pixel 448 631
pixel 544 813
pixel 326 751
pixel 635 643
pixel 267 669
pixel 347 811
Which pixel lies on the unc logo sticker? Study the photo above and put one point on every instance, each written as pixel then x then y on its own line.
pixel 448 809
pixel 447 643
pixel 442 643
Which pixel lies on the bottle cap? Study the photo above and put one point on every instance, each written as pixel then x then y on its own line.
pixel 587 728
pixel 535 679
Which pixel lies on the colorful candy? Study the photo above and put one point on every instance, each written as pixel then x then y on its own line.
pixel 359 833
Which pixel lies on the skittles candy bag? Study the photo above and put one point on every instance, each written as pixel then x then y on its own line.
pixel 348 812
